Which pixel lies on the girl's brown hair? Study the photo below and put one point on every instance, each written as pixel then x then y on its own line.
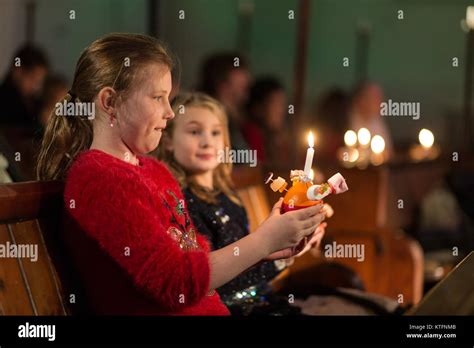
pixel 222 174
pixel 114 60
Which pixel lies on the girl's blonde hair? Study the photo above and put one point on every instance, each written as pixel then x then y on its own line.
pixel 222 174
pixel 114 60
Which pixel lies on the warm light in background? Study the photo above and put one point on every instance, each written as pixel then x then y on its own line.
pixel 470 17
pixel 426 138
pixel 364 136
pixel 353 155
pixel 377 144
pixel 350 138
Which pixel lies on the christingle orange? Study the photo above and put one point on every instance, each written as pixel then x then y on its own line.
pixel 303 192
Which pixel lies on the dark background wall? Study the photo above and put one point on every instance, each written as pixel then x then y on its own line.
pixel 411 57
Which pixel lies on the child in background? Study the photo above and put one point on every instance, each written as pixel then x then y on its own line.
pixel 191 147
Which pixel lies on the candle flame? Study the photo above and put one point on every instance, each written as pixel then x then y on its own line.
pixel 426 138
pixel 377 144
pixel 310 139
pixel 363 135
pixel 350 138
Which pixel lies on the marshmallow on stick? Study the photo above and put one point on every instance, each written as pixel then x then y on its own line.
pixel 278 184
pixel 335 185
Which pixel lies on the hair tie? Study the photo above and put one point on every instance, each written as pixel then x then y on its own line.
pixel 73 96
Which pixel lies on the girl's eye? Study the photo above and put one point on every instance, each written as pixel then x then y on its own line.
pixel 194 132
pixel 158 97
pixel 216 132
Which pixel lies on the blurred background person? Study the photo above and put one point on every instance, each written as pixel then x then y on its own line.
pixel 226 77
pixel 331 112
pixel 365 112
pixel 265 129
pixel 55 88
pixel 20 98
pixel 21 88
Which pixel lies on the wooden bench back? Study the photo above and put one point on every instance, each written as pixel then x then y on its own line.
pixel 30 216
pixel 364 206
pixel 252 192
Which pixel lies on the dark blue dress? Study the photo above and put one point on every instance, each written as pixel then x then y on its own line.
pixel 225 223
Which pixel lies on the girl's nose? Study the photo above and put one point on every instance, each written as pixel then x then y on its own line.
pixel 169 113
pixel 205 140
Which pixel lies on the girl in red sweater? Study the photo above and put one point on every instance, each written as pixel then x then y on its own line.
pixel 133 243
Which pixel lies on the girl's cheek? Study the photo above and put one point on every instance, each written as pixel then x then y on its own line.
pixel 184 145
pixel 220 145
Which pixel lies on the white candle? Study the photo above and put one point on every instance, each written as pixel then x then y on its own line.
pixel 309 155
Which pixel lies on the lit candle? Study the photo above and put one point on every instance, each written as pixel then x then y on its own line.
pixel 311 175
pixel 377 144
pixel 426 138
pixel 350 138
pixel 309 155
pixel 363 135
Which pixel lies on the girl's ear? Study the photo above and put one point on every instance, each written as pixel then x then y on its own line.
pixel 106 100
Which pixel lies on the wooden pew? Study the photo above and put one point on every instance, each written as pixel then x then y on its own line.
pixel 30 215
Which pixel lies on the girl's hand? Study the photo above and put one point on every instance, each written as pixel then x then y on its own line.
pixel 283 231
pixel 315 239
pixel 312 241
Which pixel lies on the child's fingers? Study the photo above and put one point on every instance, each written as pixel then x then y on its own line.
pixel 306 213
pixel 316 238
pixel 307 231
pixel 321 228
pixel 306 248
pixel 314 221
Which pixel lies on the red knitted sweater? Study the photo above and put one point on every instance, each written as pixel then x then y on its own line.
pixel 133 244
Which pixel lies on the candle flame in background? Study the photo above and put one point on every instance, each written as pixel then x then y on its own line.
pixel 470 17
pixel 353 155
pixel 377 144
pixel 310 139
pixel 426 138
pixel 350 138
pixel 364 136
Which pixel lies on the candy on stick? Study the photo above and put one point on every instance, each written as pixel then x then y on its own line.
pixel 335 185
pixel 279 184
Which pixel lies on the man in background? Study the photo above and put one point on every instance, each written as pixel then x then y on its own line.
pixel 20 106
pixel 225 76
pixel 365 112
pixel 21 88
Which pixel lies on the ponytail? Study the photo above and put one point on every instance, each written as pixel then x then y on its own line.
pixel 65 137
